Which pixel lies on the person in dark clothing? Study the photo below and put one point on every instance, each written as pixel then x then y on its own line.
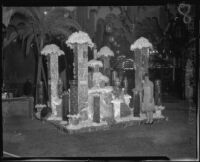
pixel 28 88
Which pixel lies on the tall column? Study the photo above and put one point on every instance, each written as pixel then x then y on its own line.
pixel 53 67
pixel 82 76
pixel 73 97
pixel 96 114
pixel 79 87
pixel 65 106
pixel 145 59
pixel 142 65
pixel 138 70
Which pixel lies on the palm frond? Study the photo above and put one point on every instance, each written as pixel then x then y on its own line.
pixel 28 44
pixel 24 37
pixel 31 23
pixel 10 29
pixel 23 32
pixel 27 32
pixel 12 37
pixel 25 11
pixel 37 13
pixel 39 17
pixel 18 21
pixel 23 45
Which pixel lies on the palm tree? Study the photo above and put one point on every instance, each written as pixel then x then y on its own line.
pixel 38 26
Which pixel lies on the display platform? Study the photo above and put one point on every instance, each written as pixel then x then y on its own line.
pixel 89 126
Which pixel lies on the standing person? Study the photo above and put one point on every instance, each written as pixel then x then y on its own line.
pixel 147 99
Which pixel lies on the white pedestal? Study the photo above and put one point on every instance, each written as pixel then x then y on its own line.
pixel 127 99
pixel 116 104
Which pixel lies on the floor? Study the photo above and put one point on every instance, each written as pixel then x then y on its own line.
pixel 175 138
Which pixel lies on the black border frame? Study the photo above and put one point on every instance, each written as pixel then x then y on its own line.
pixel 107 3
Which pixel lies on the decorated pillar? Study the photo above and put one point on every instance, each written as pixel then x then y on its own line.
pixel 73 97
pixel 114 77
pixel 138 70
pixel 53 51
pixel 145 59
pixel 92 65
pixel 90 78
pixel 53 81
pixel 105 53
pixel 82 76
pixel 79 42
pixel 79 86
pixel 141 53
pixel 96 104
pixel 95 65
pixel 65 106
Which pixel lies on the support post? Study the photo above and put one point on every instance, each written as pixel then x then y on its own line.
pixel 73 97
pixel 79 87
pixel 96 114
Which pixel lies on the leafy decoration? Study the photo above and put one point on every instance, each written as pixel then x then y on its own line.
pixel 33 25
